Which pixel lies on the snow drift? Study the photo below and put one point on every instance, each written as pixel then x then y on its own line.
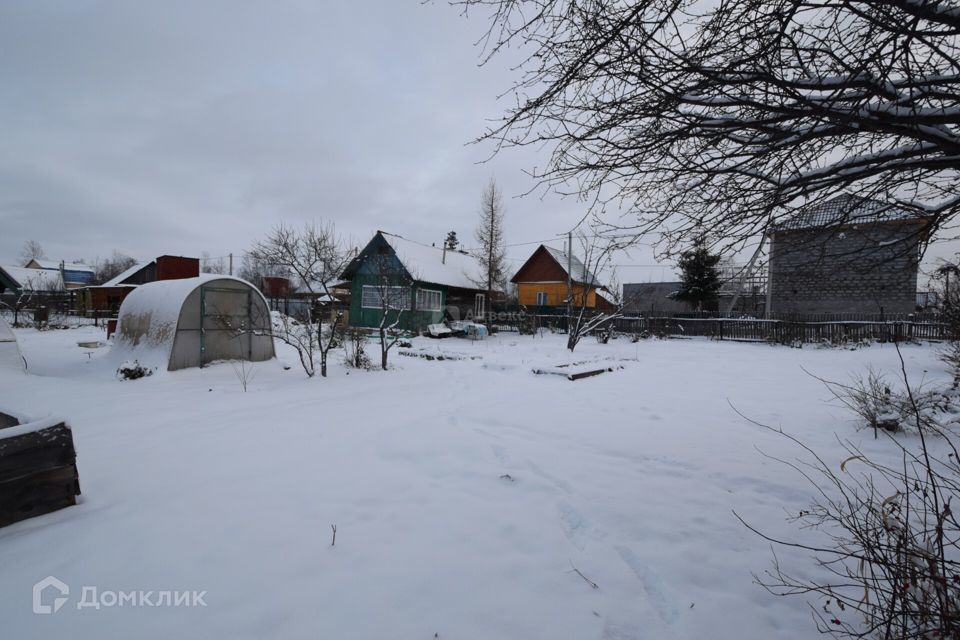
pixel 10 357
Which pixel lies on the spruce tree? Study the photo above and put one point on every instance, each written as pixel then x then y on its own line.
pixel 452 242
pixel 701 279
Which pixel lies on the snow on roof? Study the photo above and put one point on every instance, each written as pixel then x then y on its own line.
pixel 427 264
pixel 846 209
pixel 148 317
pixel 579 273
pixel 35 279
pixel 123 275
pixel 55 264
pixel 313 286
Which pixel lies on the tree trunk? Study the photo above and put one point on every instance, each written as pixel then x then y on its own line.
pixel 383 349
pixel 323 351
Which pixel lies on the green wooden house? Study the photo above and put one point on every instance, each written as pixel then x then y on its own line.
pixel 414 284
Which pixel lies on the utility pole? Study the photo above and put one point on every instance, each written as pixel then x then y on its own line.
pixel 231 264
pixel 569 278
pixel 769 305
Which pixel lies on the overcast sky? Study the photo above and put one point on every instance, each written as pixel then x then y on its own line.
pixel 179 127
pixel 182 127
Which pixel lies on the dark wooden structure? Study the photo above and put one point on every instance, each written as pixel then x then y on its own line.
pixel 835 328
pixel 104 300
pixel 38 469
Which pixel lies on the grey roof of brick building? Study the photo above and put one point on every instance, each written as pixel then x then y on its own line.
pixel 846 210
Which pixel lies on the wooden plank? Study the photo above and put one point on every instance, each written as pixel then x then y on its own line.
pixel 38 493
pixel 587 374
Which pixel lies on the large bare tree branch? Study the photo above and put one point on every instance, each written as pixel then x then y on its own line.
pixel 727 118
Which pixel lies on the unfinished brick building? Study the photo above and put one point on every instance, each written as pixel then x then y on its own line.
pixel 846 255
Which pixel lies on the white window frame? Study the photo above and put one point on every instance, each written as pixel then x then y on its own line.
pixel 389 292
pixel 421 306
pixel 545 298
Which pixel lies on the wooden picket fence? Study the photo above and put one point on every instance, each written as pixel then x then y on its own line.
pixel 788 331
pixel 835 329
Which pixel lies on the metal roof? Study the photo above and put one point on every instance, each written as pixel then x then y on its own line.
pixel 578 272
pixel 67 266
pixel 845 210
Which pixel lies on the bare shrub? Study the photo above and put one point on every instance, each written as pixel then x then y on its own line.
pixel 354 349
pixel 883 406
pixel 951 356
pixel 889 542
pixel 133 370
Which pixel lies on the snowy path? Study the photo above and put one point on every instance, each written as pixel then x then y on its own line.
pixel 463 493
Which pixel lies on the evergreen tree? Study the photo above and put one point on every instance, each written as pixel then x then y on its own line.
pixel 701 279
pixel 452 242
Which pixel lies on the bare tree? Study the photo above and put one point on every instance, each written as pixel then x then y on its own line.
pixel 212 265
pixel 31 250
pixel 253 269
pixel 34 291
pixel 726 117
pixel 316 255
pixel 16 303
pixel 491 254
pixel 112 267
pixel 304 337
pixel 393 288
pixel 585 314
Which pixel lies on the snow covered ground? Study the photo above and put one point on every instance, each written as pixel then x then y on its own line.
pixel 463 491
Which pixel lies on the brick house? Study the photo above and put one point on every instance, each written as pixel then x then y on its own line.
pixel 846 255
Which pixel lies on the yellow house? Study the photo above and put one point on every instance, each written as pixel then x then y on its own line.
pixel 542 281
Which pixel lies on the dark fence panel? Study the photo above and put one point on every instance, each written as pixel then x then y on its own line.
pixel 832 328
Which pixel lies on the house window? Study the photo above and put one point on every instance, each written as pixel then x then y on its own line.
pixel 541 298
pixel 397 298
pixel 428 300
